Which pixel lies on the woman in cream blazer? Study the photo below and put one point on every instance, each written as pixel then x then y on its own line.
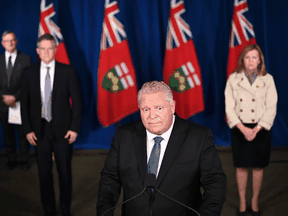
pixel 250 105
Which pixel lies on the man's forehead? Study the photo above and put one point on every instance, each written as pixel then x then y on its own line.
pixel 8 36
pixel 46 43
pixel 155 98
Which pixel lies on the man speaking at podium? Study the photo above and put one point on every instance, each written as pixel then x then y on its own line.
pixel 180 153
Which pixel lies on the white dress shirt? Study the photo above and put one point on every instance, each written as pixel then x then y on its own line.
pixel 13 57
pixel 150 143
pixel 43 72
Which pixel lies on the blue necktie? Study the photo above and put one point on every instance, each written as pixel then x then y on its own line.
pixel 153 162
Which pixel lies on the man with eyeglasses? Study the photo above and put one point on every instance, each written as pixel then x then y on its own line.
pixel 12 63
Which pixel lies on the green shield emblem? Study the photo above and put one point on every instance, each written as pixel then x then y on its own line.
pixel 111 81
pixel 178 81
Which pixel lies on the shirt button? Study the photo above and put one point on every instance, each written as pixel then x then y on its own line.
pixel 252 110
pixel 241 110
pixel 240 99
pixel 241 79
pixel 253 120
pixel 253 99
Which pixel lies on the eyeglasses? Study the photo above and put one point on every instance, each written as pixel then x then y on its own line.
pixel 11 41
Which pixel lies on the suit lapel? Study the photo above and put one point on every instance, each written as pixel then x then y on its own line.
pixel 15 66
pixel 3 73
pixel 56 80
pixel 17 62
pixel 259 83
pixel 139 139
pixel 244 83
pixel 175 141
pixel 38 81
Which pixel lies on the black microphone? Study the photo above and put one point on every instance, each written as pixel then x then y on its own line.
pixel 150 180
pixel 150 184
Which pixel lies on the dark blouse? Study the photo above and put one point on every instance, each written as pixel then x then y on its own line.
pixel 252 77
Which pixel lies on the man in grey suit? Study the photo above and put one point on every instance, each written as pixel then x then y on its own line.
pixel 180 153
pixel 12 63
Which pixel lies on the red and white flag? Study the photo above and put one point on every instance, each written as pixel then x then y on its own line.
pixel 181 68
pixel 47 25
pixel 117 87
pixel 242 34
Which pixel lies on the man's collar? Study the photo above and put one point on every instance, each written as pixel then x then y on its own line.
pixel 11 54
pixel 50 65
pixel 165 136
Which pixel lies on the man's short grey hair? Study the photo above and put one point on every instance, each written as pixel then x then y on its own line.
pixel 46 36
pixel 155 86
pixel 6 32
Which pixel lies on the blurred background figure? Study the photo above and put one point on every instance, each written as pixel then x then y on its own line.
pixel 49 122
pixel 250 99
pixel 12 63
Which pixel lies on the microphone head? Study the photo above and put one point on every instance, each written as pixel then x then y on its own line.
pixel 150 180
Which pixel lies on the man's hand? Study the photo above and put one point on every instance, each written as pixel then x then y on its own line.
pixel 31 137
pixel 9 100
pixel 71 135
pixel 13 104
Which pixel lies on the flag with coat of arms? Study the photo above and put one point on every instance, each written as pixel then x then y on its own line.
pixel 116 86
pixel 242 34
pixel 181 68
pixel 47 25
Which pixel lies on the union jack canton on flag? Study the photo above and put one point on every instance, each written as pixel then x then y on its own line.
pixel 47 25
pixel 242 34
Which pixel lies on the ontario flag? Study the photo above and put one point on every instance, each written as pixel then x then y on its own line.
pixel 181 68
pixel 47 25
pixel 242 34
pixel 116 87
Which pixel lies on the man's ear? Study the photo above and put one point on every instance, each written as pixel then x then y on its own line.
pixel 173 106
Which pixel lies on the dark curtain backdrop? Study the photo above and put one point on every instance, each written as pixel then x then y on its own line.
pixel 146 27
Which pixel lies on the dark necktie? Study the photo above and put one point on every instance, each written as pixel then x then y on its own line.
pixel 9 70
pixel 153 162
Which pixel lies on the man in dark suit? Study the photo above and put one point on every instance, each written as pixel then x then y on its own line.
pixel 12 63
pixel 180 153
pixel 50 124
